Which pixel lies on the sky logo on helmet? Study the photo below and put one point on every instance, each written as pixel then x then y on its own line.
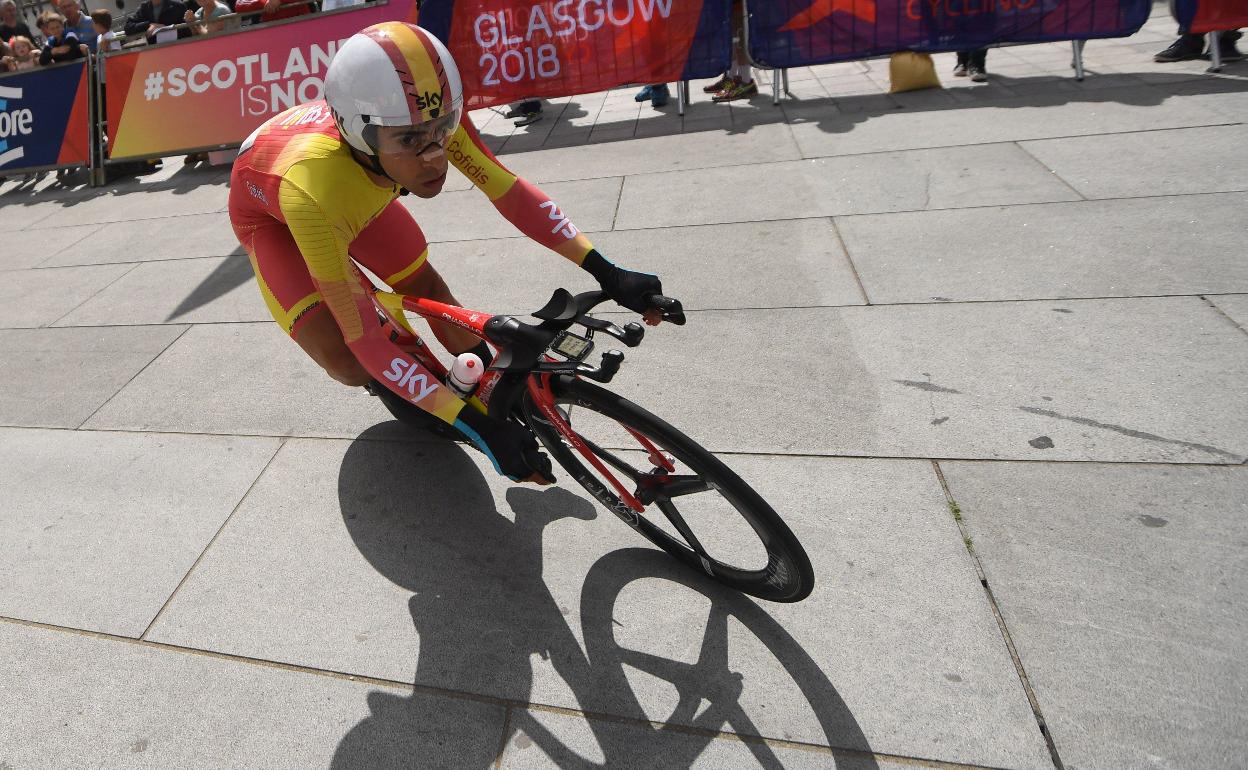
pixel 15 123
pixel 428 100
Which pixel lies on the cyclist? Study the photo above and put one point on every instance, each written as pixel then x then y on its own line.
pixel 316 187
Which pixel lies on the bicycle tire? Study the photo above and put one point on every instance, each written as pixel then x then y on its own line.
pixel 787 576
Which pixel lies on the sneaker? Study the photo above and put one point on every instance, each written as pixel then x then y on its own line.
pixel 718 85
pixel 736 90
pixel 523 109
pixel 978 75
pixel 528 119
pixel 959 71
pixel 659 95
pixel 644 94
pixel 1187 47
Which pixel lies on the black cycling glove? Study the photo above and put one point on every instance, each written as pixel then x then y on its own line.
pixel 627 287
pixel 509 446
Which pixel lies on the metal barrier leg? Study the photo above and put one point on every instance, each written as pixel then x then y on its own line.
pixel 784 74
pixel 775 87
pixel 1215 52
pixel 1077 61
pixel 681 85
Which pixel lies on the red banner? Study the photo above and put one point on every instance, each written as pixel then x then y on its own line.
pixel 214 91
pixel 511 49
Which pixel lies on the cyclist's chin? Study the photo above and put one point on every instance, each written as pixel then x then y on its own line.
pixel 430 188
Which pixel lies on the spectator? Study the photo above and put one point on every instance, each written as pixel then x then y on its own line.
pixel 974 63
pixel 105 37
pixel 199 19
pixel 21 55
pixel 656 93
pixel 59 43
pixel 738 81
pixel 525 113
pixel 153 15
pixel 75 22
pixel 1190 46
pixel 10 24
pixel 273 9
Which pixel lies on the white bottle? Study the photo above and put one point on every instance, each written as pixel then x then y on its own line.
pixel 465 374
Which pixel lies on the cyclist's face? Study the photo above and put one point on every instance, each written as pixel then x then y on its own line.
pixel 415 156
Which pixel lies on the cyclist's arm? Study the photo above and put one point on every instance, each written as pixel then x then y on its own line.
pixel 523 204
pixel 323 239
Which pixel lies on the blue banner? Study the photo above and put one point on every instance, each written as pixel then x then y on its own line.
pixel 793 33
pixel 44 117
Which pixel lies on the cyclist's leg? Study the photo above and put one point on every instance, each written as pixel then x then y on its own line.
pixel 394 247
pixel 294 302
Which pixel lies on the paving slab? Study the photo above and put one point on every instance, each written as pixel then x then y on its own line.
pixel 448 576
pixel 57 377
pixel 544 739
pixel 1123 589
pixel 469 215
pixel 1235 306
pixel 1144 246
pixel 147 240
pixel 651 154
pixel 1123 379
pixel 161 203
pixel 1190 160
pixel 903 181
pixel 90 701
pixel 34 298
pixel 1036 116
pixel 245 379
pixel 100 528
pixel 25 251
pixel 705 266
pixel 210 290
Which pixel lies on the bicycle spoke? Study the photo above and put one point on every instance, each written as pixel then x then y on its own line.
pixel 678 521
pixel 633 474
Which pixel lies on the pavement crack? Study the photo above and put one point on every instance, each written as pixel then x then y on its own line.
pixel 1213 450
pixel 928 386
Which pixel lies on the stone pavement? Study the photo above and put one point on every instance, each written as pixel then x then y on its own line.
pixel 984 348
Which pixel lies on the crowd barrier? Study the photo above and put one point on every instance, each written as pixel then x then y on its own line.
pixel 46 118
pixel 1202 16
pixel 556 48
pixel 794 33
pixel 209 92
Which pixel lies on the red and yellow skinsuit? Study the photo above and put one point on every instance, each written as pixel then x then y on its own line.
pixel 303 208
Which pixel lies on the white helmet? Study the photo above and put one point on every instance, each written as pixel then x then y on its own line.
pixel 392 74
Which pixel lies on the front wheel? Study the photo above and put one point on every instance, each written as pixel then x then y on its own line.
pixel 698 509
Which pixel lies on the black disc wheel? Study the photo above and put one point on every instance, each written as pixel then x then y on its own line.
pixel 698 509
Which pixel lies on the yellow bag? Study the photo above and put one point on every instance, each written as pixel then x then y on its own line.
pixel 911 71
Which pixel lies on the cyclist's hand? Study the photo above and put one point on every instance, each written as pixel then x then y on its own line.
pixel 509 446
pixel 629 288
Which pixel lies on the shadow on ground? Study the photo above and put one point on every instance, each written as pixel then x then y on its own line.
pixel 424 517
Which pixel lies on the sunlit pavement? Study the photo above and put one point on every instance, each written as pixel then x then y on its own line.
pixel 984 348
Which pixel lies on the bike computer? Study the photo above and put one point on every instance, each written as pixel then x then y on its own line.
pixel 571 346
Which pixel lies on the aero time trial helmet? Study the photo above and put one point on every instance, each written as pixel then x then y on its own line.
pixel 393 74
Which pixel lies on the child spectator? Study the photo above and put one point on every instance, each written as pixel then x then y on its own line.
pixel 59 44
pixel 10 25
pixel 21 54
pixel 208 9
pixel 105 37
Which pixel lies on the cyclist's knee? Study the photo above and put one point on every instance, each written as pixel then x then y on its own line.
pixel 427 283
pixel 321 339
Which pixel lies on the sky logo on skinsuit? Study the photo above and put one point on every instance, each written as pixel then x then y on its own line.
pixel 13 125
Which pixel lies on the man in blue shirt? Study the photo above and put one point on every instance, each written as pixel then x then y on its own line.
pixel 77 23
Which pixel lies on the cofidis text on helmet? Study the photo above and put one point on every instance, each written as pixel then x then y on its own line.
pixel 508 56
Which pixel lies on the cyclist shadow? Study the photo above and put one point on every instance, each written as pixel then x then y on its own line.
pixel 425 518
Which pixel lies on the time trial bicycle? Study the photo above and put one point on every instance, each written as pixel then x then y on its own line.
pixel 652 476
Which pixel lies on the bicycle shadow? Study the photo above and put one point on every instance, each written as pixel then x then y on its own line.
pixel 425 518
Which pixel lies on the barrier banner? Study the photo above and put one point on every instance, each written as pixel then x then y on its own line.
pixel 1202 16
pixel 213 91
pixel 45 117
pixel 793 33
pixel 508 50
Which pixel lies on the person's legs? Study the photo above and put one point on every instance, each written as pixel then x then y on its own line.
pixel 978 69
pixel 964 60
pixel 1188 46
pixel 394 247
